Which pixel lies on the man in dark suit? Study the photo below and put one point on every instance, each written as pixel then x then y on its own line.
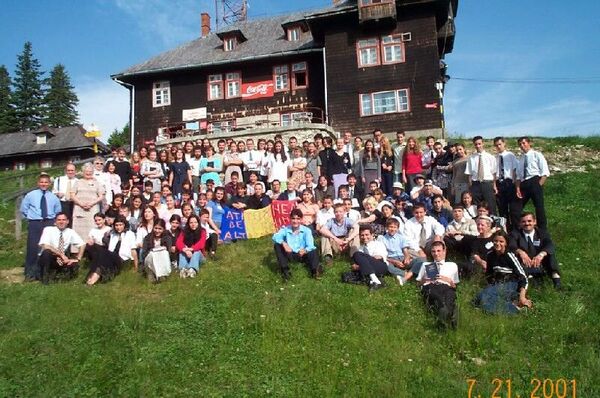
pixel 535 249
pixel 290 193
pixel 355 191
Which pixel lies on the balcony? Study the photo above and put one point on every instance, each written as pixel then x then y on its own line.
pixel 376 10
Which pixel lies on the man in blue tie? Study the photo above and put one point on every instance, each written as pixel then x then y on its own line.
pixel 40 208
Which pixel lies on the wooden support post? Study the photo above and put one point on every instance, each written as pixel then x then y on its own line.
pixel 18 215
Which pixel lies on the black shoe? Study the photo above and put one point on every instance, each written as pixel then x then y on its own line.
pixel 286 275
pixel 557 284
pixel 328 260
pixel 375 286
pixel 318 273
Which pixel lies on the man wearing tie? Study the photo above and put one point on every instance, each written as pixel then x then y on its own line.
pixel 356 193
pixel 349 146
pixel 508 203
pixel 481 167
pixel 535 249
pixel 39 207
pixel 55 244
pixel 532 173
pixel 398 149
pixel 63 186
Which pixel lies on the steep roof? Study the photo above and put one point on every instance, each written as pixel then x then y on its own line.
pixel 265 38
pixel 59 139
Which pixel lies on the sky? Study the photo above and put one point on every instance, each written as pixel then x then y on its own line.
pixel 511 40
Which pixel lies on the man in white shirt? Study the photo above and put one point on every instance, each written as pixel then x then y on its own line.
pixel 428 155
pixel 55 244
pixel 63 187
pixel 458 228
pixel 370 259
pixel 194 163
pixel 326 213
pixel 422 230
pixel 508 203
pixel 532 173
pixel 349 146
pixel 481 167
pixel 438 281
pixel 252 159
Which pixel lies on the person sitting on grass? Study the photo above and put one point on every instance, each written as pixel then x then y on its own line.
pixel 295 242
pixel 370 259
pixel 119 246
pixel 326 212
pixel 401 258
pixel 458 228
pixel 438 280
pixel 535 249
pixel 507 282
pixel 212 233
pixel 259 200
pixel 190 245
pixel 338 234
pixel 156 263
pixel 55 244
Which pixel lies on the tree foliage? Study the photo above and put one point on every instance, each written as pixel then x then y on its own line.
pixel 61 100
pixel 119 138
pixel 8 122
pixel 28 95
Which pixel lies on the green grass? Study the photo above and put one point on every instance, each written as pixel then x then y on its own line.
pixel 237 330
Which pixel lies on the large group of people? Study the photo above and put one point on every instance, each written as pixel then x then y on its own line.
pixel 394 209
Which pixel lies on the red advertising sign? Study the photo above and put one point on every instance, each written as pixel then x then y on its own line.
pixel 256 90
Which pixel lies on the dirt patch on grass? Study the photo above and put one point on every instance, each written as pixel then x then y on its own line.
pixel 12 275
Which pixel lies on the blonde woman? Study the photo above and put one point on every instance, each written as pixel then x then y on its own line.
pixel 387 166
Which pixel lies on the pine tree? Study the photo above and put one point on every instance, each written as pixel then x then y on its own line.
pixel 28 94
pixel 8 122
pixel 61 101
pixel 119 138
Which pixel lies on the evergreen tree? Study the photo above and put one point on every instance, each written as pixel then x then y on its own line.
pixel 119 138
pixel 61 100
pixel 28 94
pixel 7 113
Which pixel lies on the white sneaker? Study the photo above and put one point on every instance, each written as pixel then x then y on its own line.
pixel 192 273
pixel 183 273
pixel 400 280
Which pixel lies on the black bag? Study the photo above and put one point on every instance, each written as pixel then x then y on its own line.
pixel 353 277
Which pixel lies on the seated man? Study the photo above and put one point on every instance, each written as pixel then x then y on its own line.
pixel 338 234
pixel 401 260
pixel 370 259
pixel 240 199
pixel 231 186
pixel 458 228
pixel 326 213
pixel 275 190
pixel 259 200
pixel 439 212
pixel 438 281
pixel 351 213
pixel 398 193
pixel 55 244
pixel 290 193
pixel 535 249
pixel 295 242
pixel 423 230
pixel 425 195
pixel 355 192
pixel 477 247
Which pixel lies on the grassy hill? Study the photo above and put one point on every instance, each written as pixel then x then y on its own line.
pixel 237 330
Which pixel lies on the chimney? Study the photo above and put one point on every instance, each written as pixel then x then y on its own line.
pixel 205 23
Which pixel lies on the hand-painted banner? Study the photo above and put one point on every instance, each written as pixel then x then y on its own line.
pixel 281 210
pixel 232 225
pixel 258 222
pixel 256 90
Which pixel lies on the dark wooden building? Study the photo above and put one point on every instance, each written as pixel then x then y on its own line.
pixel 355 65
pixel 45 147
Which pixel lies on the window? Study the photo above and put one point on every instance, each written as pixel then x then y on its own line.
pixel 368 52
pixel 41 139
pixel 233 83
pixel 215 87
pixel 224 126
pixel 289 119
pixel 45 163
pixel 161 94
pixel 392 49
pixel 299 75
pixel 20 166
pixel 229 44
pixel 294 33
pixel 281 77
pixel 384 102
pixel 75 158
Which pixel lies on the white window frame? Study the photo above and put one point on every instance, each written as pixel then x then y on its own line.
pixel 281 78
pixel 215 82
pixel 229 43
pixel 294 33
pixel 45 163
pixel 368 106
pixel 161 93
pixel 369 47
pixel 233 85
pixel 392 42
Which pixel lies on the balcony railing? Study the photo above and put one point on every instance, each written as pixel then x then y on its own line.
pixel 369 10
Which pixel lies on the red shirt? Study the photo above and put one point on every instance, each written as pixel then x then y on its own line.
pixel 411 163
pixel 198 246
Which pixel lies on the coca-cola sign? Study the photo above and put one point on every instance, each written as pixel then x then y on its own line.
pixel 256 90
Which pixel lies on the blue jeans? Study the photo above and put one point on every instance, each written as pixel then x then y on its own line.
pixel 194 262
pixel 498 298
pixel 414 266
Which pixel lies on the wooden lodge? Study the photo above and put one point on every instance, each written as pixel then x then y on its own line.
pixel 357 65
